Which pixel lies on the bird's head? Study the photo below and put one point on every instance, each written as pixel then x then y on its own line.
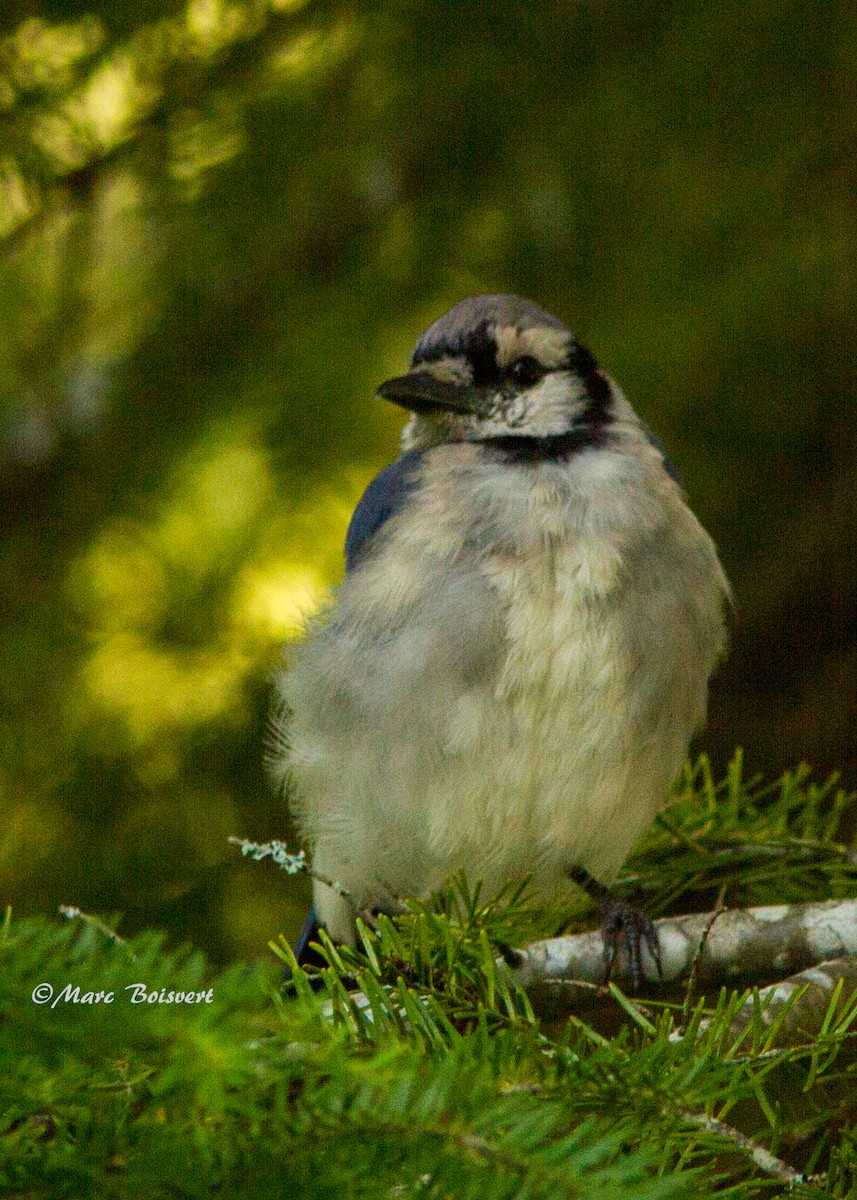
pixel 496 367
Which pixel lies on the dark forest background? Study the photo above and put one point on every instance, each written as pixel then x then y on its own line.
pixel 224 223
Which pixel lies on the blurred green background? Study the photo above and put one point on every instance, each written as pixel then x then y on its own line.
pixel 223 224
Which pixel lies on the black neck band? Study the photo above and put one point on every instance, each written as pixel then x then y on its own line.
pixel 518 448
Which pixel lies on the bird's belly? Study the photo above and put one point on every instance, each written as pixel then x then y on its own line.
pixel 564 760
pixel 557 755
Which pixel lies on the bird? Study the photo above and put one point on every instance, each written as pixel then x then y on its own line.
pixel 507 681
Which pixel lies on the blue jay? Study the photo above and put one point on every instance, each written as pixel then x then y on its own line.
pixel 508 680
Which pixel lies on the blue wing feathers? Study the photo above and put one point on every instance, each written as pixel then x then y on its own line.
pixel 669 466
pixel 385 496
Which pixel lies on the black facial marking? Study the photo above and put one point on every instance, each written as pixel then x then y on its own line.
pixel 476 344
pixel 595 381
pixel 481 350
pixel 598 391
pixel 581 360
pixel 479 347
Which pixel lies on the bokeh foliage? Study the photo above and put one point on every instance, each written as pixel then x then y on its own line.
pixel 430 1073
pixel 225 223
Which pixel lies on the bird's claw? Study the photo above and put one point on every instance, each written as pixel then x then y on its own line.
pixel 625 931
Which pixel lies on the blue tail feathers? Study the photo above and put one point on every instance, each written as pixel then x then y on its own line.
pixel 308 934
pixel 303 952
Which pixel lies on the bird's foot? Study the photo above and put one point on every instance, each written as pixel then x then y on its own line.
pixel 624 930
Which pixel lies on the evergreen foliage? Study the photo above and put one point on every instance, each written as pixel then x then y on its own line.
pixel 413 1065
pixel 762 843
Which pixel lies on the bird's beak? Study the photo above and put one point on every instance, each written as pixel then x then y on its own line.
pixel 422 392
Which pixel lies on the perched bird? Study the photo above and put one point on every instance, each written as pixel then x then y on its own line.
pixel 509 677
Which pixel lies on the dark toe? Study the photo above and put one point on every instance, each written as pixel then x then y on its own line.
pixel 625 931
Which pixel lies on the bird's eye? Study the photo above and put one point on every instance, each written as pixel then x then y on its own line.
pixel 526 370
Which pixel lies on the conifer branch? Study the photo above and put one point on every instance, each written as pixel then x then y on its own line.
pixel 739 946
pixel 821 996
pixel 763 1159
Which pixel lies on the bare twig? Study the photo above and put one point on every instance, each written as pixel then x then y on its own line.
pixel 72 913
pixel 763 1159
pixel 693 974
pixel 292 864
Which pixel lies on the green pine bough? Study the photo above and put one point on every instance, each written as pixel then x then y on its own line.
pixel 420 1063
